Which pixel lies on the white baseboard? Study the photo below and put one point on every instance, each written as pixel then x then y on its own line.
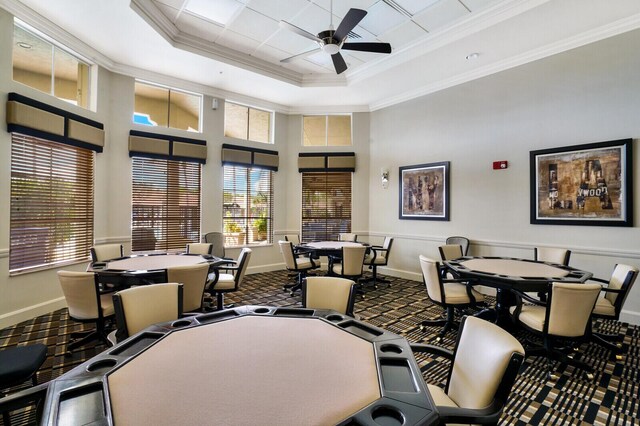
pixel 15 317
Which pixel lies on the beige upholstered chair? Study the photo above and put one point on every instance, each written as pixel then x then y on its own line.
pixel 333 293
pixel 230 282
pixel 450 251
pixel 484 366
pixel 609 304
pixel 347 236
pixel 350 266
pixel 451 294
pixel 199 248
pixel 139 307
pixel 294 238
pixel 565 316
pixel 298 264
pixel 193 278
pixel 85 304
pixel 216 239
pixel 378 256
pixel 552 254
pixel 103 252
pixel 463 241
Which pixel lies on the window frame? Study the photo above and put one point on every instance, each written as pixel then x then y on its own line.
pixel 326 130
pixel 272 116
pixel 329 234
pixel 170 89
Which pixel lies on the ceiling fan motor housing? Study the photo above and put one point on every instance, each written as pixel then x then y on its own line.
pixel 329 44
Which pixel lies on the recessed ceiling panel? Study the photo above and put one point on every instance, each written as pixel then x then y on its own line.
pixel 238 42
pixel 415 6
pixel 220 11
pixel 475 5
pixel 381 18
pixel 278 10
pixel 404 34
pixel 440 15
pixel 254 25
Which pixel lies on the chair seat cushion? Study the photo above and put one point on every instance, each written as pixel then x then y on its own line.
pixel 379 260
pixel 604 307
pixel 305 263
pixel 19 363
pixel 439 397
pixel 225 282
pixel 456 294
pixel 532 316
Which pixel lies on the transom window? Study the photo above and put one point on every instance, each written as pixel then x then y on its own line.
pixel 165 204
pixel 326 130
pixel 161 106
pixel 247 123
pixel 326 205
pixel 45 65
pixel 247 213
pixel 51 203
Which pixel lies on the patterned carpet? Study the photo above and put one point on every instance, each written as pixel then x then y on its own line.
pixel 612 398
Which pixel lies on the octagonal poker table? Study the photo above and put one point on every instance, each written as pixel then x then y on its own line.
pixel 253 364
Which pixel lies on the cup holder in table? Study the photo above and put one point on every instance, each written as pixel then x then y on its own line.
pixel 335 318
pixel 390 349
pixel 387 416
pixel 262 311
pixel 180 323
pixel 102 365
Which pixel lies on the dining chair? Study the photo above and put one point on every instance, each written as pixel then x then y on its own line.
pixel 103 252
pixel 216 239
pixel 565 317
pixel 86 305
pixel 294 238
pixel 347 236
pixel 351 265
pixel 199 248
pixel 483 367
pixel 378 256
pixel 193 278
pixel 298 264
pixel 333 293
pixel 450 252
pixel 552 254
pixel 230 281
pixel 463 241
pixel 609 305
pixel 451 294
pixel 139 307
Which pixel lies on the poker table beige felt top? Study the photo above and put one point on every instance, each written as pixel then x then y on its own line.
pixel 145 263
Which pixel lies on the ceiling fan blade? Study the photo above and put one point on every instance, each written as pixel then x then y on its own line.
pixel 300 55
pixel 299 31
pixel 368 47
pixel 349 22
pixel 339 63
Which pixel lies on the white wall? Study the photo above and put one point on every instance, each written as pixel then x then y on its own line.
pixel 586 95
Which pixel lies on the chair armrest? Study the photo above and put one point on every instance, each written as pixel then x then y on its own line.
pixel 599 280
pixel 32 396
pixel 487 415
pixel 224 262
pixel 612 290
pixel 531 299
pixel 431 349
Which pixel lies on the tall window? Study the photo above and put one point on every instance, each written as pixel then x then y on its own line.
pixel 247 123
pixel 166 107
pixel 326 205
pixel 51 203
pixel 326 130
pixel 247 214
pixel 48 67
pixel 165 204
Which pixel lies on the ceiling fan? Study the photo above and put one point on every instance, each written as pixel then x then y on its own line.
pixel 332 41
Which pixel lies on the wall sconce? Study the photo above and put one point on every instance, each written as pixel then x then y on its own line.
pixel 384 172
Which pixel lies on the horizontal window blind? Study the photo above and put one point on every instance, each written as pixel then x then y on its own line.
pixel 51 203
pixel 247 215
pixel 165 204
pixel 326 205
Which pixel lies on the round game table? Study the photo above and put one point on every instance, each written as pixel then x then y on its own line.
pixel 328 248
pixel 508 275
pixel 249 365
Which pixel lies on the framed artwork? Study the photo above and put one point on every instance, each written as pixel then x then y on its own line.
pixel 424 191
pixel 587 184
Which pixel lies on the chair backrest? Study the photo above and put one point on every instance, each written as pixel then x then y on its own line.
pixel 552 254
pixel 286 248
pixel 193 279
pixel 294 238
pixel 103 252
pixel 216 239
pixel 139 307
pixel 199 248
pixel 81 293
pixel 622 279
pixel 347 236
pixel 143 239
pixel 431 276
pixel 485 365
pixel 333 293
pixel 463 241
pixel 352 260
pixel 382 257
pixel 450 251
pixel 569 308
pixel 243 262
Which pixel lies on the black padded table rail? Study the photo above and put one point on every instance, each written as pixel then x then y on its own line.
pixel 278 365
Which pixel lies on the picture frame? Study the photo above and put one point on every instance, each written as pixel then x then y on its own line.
pixel 587 185
pixel 424 191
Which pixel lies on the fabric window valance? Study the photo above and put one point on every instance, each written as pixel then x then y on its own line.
pixel 327 162
pixel 153 145
pixel 250 157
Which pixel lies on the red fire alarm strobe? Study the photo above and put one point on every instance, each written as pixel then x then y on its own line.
pixel 499 165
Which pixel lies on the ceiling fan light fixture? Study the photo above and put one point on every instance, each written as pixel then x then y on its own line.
pixel 472 56
pixel 331 49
